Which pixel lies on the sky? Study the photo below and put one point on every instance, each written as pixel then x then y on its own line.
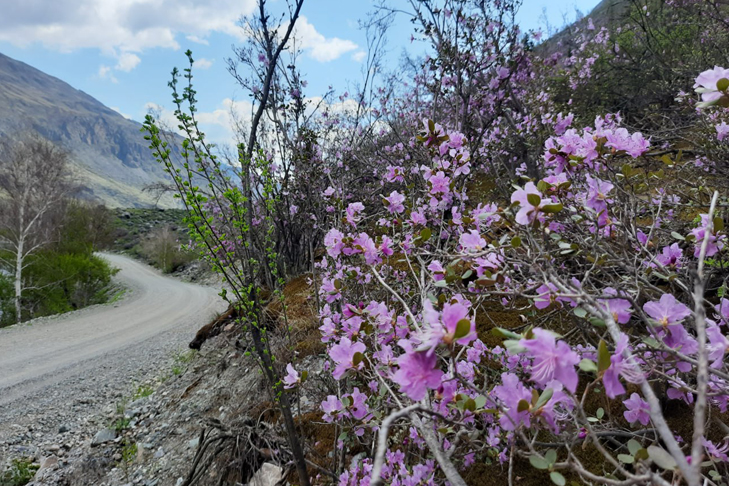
pixel 121 52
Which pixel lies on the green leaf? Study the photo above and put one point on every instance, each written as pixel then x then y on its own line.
pixel 678 236
pixel 304 376
pixel 513 346
pixel 634 446
pixel 557 478
pixel 470 405
pixel 661 458
pixel 538 462
pixel 544 398
pixel 580 312
pixel 425 234
pixel 516 242
pixel 357 358
pixel 603 357
pixel 551 456
pixel 588 366
pixel 641 455
pixel 462 328
pixel 523 406
pixel 626 458
pixel 480 401
pixel 552 208
pixel 722 84
pixel 600 413
pixel 718 224
pixel 534 199
pixel 501 332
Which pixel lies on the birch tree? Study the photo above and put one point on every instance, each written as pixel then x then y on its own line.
pixel 34 181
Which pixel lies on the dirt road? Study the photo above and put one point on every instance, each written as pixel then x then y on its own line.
pixel 52 362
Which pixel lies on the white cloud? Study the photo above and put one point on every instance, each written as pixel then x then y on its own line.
pixel 127 62
pixel 203 63
pixel 316 45
pixel 118 110
pixel 105 73
pixel 218 125
pixel 197 40
pixel 118 26
pixel 359 56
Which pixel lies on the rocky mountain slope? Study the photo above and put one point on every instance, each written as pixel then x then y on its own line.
pixel 110 156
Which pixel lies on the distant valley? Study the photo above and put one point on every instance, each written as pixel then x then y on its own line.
pixel 110 158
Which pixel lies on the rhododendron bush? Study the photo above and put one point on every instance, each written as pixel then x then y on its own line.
pixel 609 277
pixel 570 323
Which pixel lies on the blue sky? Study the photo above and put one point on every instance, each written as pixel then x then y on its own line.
pixel 122 51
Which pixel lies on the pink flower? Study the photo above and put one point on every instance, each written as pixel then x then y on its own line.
pixel 706 84
pixel 439 183
pixel 331 407
pixel 715 242
pixel 353 211
pixel 620 367
pixel 417 371
pixel 551 359
pixel 718 344
pixel 395 202
pixel 667 310
pixel 637 410
pixel 292 377
pixel 343 354
pixel 333 242
pixel 721 131
pixel 618 308
pixel 472 241
pixel 670 256
pixel 528 212
pixel 510 393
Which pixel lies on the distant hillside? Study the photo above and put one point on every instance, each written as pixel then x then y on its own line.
pixel 110 156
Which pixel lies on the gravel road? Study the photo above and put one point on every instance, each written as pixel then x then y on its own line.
pixel 58 371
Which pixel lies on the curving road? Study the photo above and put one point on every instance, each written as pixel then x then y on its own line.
pixel 155 312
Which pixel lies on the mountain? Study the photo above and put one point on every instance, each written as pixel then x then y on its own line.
pixel 110 158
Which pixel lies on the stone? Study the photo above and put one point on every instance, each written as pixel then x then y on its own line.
pixel 102 436
pixel 159 454
pixel 268 475
pixel 63 429
pixel 192 444
pixel 48 462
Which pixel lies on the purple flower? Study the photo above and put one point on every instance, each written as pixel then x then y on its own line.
pixel 714 244
pixel 292 377
pixel 706 84
pixel 417 371
pixel 331 407
pixel 395 202
pixel 343 354
pixel 670 256
pixel 358 406
pixel 637 410
pixel 619 366
pixel 472 241
pixel 551 359
pixel 618 308
pixel 667 310
pixel 718 344
pixel 510 393
pixel 528 212
pixel 353 210
pixel 722 130
pixel 333 242
pixel 439 183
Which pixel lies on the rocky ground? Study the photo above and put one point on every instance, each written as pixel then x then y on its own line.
pixel 145 429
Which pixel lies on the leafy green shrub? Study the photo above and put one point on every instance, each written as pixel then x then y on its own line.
pixel 7 310
pixel 162 248
pixel 67 281
pixel 19 473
